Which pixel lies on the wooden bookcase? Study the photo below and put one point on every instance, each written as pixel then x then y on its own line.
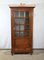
pixel 21 29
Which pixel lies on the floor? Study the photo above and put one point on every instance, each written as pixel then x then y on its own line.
pixel 37 55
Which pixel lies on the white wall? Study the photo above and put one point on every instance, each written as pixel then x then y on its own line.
pixel 5 22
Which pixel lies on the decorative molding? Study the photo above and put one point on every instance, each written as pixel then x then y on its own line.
pixel 22 5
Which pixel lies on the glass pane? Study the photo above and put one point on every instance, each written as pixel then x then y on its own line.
pixel 21 14
pixel 22 21
pixel 27 14
pixel 22 34
pixel 16 27
pixel 16 14
pixel 27 27
pixel 16 21
pixel 16 34
pixel 27 21
pixel 21 27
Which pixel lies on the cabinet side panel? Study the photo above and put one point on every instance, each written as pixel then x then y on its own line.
pixel 12 30
pixel 31 27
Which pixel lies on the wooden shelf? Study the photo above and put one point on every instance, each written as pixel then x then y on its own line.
pixel 21 24
pixel 22 17
pixel 21 30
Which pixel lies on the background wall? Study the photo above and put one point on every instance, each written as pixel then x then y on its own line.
pixel 5 22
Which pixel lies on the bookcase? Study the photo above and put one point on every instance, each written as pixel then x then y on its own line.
pixel 21 29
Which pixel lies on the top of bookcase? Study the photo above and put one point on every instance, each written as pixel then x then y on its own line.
pixel 22 5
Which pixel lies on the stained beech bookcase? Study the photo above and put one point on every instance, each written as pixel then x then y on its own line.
pixel 21 29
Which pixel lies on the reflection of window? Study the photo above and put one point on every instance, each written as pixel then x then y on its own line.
pixel 21 27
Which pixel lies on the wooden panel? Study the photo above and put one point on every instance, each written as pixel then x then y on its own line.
pixel 22 43
pixel 12 25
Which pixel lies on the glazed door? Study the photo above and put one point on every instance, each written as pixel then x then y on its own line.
pixel 21 32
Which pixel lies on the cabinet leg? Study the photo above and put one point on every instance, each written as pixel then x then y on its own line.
pixel 31 53
pixel 12 53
